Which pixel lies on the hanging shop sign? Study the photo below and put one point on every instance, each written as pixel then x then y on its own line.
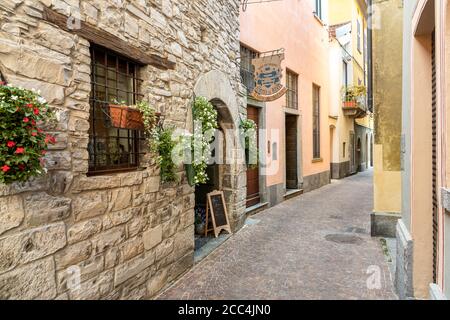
pixel 268 75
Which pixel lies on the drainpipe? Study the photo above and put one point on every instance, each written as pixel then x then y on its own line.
pixel 369 57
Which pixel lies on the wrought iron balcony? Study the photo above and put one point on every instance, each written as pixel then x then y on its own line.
pixel 356 109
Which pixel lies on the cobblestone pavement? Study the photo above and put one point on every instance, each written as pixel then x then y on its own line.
pixel 316 246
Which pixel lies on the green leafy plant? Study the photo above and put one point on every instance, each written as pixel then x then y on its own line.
pixel 353 93
pixel 205 122
pixel 164 144
pixel 249 130
pixel 23 142
pixel 148 116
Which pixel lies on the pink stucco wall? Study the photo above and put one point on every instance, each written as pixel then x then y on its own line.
pixel 291 25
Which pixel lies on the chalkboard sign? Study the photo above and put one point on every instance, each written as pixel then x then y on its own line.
pixel 219 215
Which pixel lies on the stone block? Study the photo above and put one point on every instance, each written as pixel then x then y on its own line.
pixel 157 282
pixel 152 184
pixel 152 237
pixel 43 209
pixel 133 267
pixel 108 239
pixel 131 248
pixel 96 183
pixel 120 199
pixel 11 213
pixel 39 66
pixel 95 288
pixel 73 254
pixel 67 279
pixel 31 245
pixel 33 281
pixel 84 230
pixel 88 205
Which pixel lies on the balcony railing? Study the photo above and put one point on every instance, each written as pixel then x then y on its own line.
pixel 354 102
pixel 355 108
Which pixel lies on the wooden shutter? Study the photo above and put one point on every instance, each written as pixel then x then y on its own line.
pixel 434 162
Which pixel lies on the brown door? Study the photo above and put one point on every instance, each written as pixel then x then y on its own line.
pixel 291 152
pixel 253 196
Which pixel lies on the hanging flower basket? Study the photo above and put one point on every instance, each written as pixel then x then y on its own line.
pixel 125 117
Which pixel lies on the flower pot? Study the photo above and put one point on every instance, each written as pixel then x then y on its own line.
pixel 350 104
pixel 200 229
pixel 125 117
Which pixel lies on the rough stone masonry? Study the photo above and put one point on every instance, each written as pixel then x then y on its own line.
pixel 124 236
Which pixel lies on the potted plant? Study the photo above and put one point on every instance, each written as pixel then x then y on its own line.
pixel 199 224
pixel 125 117
pixel 24 117
pixel 353 95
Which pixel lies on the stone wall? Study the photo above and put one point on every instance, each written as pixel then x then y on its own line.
pixel 125 235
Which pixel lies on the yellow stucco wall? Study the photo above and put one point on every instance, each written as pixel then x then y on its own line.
pixel 388 107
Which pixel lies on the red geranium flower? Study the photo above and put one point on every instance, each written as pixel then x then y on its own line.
pixel 34 134
pixel 36 111
pixel 44 152
pixel 20 150
pixel 5 168
pixel 30 105
pixel 33 122
pixel 11 144
pixel 26 120
pixel 50 139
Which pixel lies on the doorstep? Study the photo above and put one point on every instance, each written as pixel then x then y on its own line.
pixel 257 208
pixel 292 193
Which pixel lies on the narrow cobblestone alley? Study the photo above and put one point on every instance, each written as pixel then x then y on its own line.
pixel 317 246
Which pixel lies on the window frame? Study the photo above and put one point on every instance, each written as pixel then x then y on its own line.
pixel 133 137
pixel 358 33
pixel 292 92
pixel 247 69
pixel 318 9
pixel 316 122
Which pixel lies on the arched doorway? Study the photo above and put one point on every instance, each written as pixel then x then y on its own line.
pixel 225 172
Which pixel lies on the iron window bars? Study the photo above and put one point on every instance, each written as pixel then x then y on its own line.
pixel 316 122
pixel 247 68
pixel 113 79
pixel 292 90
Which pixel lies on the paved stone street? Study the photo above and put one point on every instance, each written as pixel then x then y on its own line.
pixel 316 246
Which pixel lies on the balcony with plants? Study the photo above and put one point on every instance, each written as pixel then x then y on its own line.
pixel 354 102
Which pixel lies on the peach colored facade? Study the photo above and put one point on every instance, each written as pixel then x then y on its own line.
pixel 425 209
pixel 292 25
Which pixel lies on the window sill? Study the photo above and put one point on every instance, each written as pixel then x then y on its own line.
pixel 317 160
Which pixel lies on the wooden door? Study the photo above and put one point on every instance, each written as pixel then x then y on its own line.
pixel 253 195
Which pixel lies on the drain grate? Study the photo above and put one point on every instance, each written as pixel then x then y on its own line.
pixel 344 238
pixel 356 230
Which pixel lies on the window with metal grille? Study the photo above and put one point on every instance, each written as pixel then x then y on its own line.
pixel 316 122
pixel 247 68
pixel 292 89
pixel 114 79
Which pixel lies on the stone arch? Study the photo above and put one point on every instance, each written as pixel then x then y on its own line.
pixel 216 87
